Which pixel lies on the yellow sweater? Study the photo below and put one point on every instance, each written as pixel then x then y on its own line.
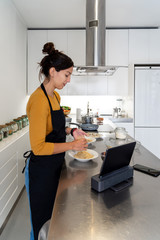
pixel 40 124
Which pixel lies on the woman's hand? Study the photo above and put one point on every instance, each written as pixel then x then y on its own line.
pixel 78 133
pixel 80 144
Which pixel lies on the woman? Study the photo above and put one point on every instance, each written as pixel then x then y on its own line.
pixel 47 137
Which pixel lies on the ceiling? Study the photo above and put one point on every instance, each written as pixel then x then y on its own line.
pixel 71 13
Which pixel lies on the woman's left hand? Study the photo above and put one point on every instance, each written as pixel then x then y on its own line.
pixel 78 133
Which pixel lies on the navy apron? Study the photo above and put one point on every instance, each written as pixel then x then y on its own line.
pixel 42 175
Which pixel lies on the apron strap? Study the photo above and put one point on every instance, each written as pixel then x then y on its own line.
pixel 44 90
pixel 26 155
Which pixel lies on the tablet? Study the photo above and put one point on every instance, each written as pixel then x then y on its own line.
pixel 116 158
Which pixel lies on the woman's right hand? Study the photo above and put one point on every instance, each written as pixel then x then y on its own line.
pixel 79 144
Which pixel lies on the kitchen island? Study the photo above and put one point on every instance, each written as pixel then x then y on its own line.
pixel 82 213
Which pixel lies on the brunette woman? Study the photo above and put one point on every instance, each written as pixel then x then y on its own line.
pixel 47 137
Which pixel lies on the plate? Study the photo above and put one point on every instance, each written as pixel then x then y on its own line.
pixel 94 153
pixel 94 135
pixel 90 139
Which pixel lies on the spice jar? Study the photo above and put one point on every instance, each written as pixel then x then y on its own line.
pixel 19 123
pixel 24 121
pixel 120 133
pixel 1 134
pixel 14 126
pixel 10 128
pixel 5 131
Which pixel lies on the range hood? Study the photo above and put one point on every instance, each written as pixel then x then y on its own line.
pixel 95 41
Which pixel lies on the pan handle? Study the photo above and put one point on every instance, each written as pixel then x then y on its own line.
pixel 75 124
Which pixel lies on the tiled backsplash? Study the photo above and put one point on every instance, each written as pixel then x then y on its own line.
pixel 100 104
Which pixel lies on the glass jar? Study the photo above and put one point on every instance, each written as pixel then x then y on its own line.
pixel 14 126
pixel 24 121
pixel 5 130
pixel 10 128
pixel 1 134
pixel 120 133
pixel 19 123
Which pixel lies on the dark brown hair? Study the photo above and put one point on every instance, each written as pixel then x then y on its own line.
pixel 54 58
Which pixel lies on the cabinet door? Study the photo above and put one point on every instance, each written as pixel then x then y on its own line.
pixel 60 39
pixel 154 45
pixel 118 83
pixel 36 40
pixel 149 138
pixel 117 47
pixel 77 46
pixel 139 46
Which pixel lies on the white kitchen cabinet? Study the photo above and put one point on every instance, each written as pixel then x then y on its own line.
pixel 138 46
pixel 149 138
pixel 154 46
pixel 77 46
pixel 11 165
pixel 60 40
pixel 117 47
pixel 117 55
pixel 36 40
pixel 128 126
pixel 71 42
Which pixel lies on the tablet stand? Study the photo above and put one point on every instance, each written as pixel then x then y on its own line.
pixel 110 180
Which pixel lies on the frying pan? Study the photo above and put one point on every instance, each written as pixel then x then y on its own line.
pixel 86 126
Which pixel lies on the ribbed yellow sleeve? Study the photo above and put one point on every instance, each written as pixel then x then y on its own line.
pixel 40 124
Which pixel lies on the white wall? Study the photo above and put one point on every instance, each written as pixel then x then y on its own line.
pixel 12 63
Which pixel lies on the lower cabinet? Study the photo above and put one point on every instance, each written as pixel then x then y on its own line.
pixel 149 138
pixel 11 165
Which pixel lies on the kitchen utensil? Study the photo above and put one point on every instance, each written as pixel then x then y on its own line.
pixel 87 119
pixel 86 126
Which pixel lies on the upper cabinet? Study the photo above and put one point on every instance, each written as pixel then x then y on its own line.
pixel 138 46
pixel 71 42
pixel 123 47
pixel 117 47
pixel 77 46
pixel 36 40
pixel 154 45
pixel 144 46
pixel 117 55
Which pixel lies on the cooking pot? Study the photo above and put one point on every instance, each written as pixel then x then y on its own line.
pixel 86 126
pixel 87 119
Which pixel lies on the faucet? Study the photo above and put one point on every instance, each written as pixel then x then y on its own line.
pixel 88 108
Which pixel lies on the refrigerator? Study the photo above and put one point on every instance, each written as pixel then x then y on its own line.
pixel 147 107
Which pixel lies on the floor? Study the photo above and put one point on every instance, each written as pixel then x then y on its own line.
pixel 18 225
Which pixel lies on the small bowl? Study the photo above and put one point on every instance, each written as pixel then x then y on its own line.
pixel 66 110
pixel 103 154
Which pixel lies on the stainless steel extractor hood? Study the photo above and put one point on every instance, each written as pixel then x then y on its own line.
pixel 95 41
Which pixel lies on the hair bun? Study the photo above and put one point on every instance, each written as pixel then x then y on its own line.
pixel 49 48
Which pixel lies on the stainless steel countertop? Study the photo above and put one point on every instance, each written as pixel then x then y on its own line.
pixel 82 213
